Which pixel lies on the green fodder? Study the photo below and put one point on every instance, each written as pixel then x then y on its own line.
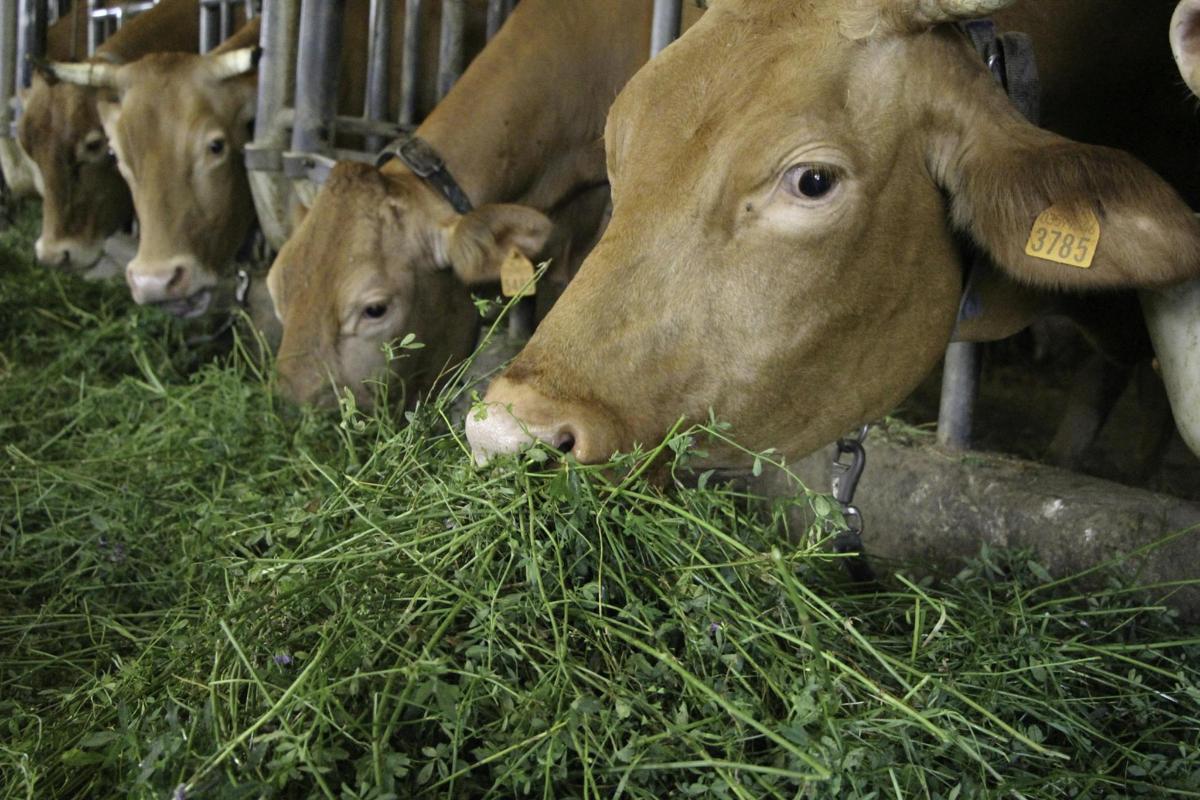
pixel 205 593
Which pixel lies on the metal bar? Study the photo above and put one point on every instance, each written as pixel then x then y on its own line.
pixel 497 13
pixel 31 38
pixel 960 386
pixel 9 14
pixel 452 53
pixel 94 37
pixel 275 75
pixel 226 11
pixel 378 77
pixel 273 119
pixel 210 20
pixel 668 16
pixel 411 64
pixel 317 74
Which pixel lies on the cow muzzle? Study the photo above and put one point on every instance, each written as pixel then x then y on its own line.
pixel 71 255
pixel 514 417
pixel 180 287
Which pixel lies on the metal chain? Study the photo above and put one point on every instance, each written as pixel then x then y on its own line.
pixel 844 483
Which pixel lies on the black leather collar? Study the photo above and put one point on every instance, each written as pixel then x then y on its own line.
pixel 419 156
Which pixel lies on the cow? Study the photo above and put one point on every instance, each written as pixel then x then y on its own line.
pixel 182 157
pixel 791 185
pixel 66 40
pixel 84 199
pixel 383 253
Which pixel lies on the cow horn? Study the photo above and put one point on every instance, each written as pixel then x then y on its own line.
pixel 85 73
pixel 931 12
pixel 235 62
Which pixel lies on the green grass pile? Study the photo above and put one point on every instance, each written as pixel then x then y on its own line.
pixel 208 594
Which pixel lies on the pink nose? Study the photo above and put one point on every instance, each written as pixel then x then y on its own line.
pixel 65 253
pixel 516 416
pixel 158 283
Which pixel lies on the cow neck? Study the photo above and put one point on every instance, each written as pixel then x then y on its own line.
pixel 171 26
pixel 515 148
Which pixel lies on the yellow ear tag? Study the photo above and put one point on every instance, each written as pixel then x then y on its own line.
pixel 516 276
pixel 1065 239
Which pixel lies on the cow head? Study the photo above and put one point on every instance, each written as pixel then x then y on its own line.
pixel 788 179
pixel 84 199
pixel 178 125
pixel 379 256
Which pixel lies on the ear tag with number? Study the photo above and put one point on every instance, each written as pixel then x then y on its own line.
pixel 516 276
pixel 1065 238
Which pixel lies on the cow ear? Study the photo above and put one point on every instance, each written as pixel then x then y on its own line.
pixel 477 243
pixel 1185 42
pixel 1020 192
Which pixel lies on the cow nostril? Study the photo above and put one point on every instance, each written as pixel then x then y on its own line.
pixel 176 278
pixel 564 442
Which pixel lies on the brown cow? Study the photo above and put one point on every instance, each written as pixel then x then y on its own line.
pixel 382 253
pixel 84 199
pixel 66 40
pixel 788 179
pixel 178 129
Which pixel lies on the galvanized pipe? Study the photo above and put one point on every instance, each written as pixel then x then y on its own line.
pixel 226 11
pixel 411 64
pixel 960 386
pixel 31 38
pixel 497 13
pixel 320 44
pixel 668 16
pixel 275 68
pixel 95 33
pixel 210 35
pixel 452 53
pixel 9 14
pixel 378 77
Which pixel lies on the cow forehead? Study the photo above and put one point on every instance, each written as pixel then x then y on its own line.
pixel 350 240
pixel 58 116
pixel 728 98
pixel 181 90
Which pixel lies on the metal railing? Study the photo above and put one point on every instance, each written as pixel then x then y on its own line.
pixel 105 20
pixel 297 124
pixel 218 20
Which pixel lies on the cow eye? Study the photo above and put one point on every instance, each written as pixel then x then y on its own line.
pixel 376 311
pixel 94 146
pixel 216 147
pixel 810 181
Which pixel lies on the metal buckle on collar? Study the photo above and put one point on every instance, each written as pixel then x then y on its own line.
pixel 420 157
pixel 426 164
